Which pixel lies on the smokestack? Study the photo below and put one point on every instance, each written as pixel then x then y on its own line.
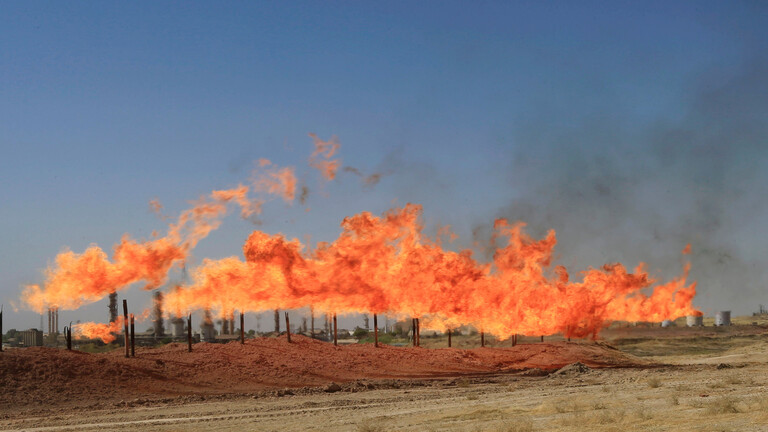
pixel 189 332
pixel 112 307
pixel 312 321
pixel 242 329
pixel 232 322
pixel 125 326
pixel 277 321
pixel 375 331
pixel 158 312
pixel 287 327
pixel 68 336
pixel 208 332
pixel 133 338
pixel 335 332
pixel 224 325
pixel 50 324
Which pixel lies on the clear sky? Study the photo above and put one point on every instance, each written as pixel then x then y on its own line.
pixel 631 128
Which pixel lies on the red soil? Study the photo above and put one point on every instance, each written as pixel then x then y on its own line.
pixel 44 376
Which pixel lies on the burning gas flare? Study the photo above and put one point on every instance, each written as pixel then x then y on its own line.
pixel 378 264
pixel 105 332
pixel 79 278
pixel 387 265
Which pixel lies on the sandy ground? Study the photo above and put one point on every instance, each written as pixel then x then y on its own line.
pixel 705 384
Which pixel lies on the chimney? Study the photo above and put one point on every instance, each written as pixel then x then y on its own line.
pixel 112 307
pixel 158 314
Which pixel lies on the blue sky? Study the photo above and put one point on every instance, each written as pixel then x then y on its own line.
pixel 473 109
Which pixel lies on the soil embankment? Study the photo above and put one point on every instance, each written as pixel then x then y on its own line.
pixel 53 377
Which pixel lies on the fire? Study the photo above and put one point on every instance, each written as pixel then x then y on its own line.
pixel 105 332
pixel 321 157
pixel 80 278
pixel 378 264
pixel 387 265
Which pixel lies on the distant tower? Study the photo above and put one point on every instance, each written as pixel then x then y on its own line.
pixel 365 322
pixel 112 307
pixel 158 314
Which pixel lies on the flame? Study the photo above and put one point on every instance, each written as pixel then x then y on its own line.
pixel 387 265
pixel 378 264
pixel 321 157
pixel 76 279
pixel 105 332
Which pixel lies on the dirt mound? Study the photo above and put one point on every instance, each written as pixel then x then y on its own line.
pixel 44 376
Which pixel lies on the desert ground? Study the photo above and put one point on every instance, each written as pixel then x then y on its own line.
pixel 631 379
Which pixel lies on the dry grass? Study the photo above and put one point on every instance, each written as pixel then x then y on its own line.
pixel 523 424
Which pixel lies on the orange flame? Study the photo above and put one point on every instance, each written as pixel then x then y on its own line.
pixel 105 332
pixel 85 278
pixel 385 264
pixel 321 157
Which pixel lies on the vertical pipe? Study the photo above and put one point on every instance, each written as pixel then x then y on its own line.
pixel 277 321
pixel 482 339
pixel 542 338
pixel 413 328
pixel 375 331
pixel 418 332
pixel 312 321
pixel 1 328
pixel 242 328
pixel 287 327
pixel 68 335
pixel 449 338
pixel 335 332
pixel 133 339
pixel 125 328
pixel 189 333
pixel 514 339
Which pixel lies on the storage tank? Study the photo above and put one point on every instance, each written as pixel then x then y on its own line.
pixel 178 327
pixel 723 318
pixel 694 320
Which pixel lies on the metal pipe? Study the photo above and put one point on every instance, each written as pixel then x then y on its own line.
pixel 189 333
pixel 242 328
pixel 312 321
pixel 288 327
pixel 133 338
pixel 335 332
pixel 68 335
pixel 542 338
pixel 418 332
pixel 449 338
pixel 413 330
pixel 482 339
pixel 1 328
pixel 125 327
pixel 375 331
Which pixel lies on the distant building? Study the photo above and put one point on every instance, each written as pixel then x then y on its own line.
pixel 31 337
